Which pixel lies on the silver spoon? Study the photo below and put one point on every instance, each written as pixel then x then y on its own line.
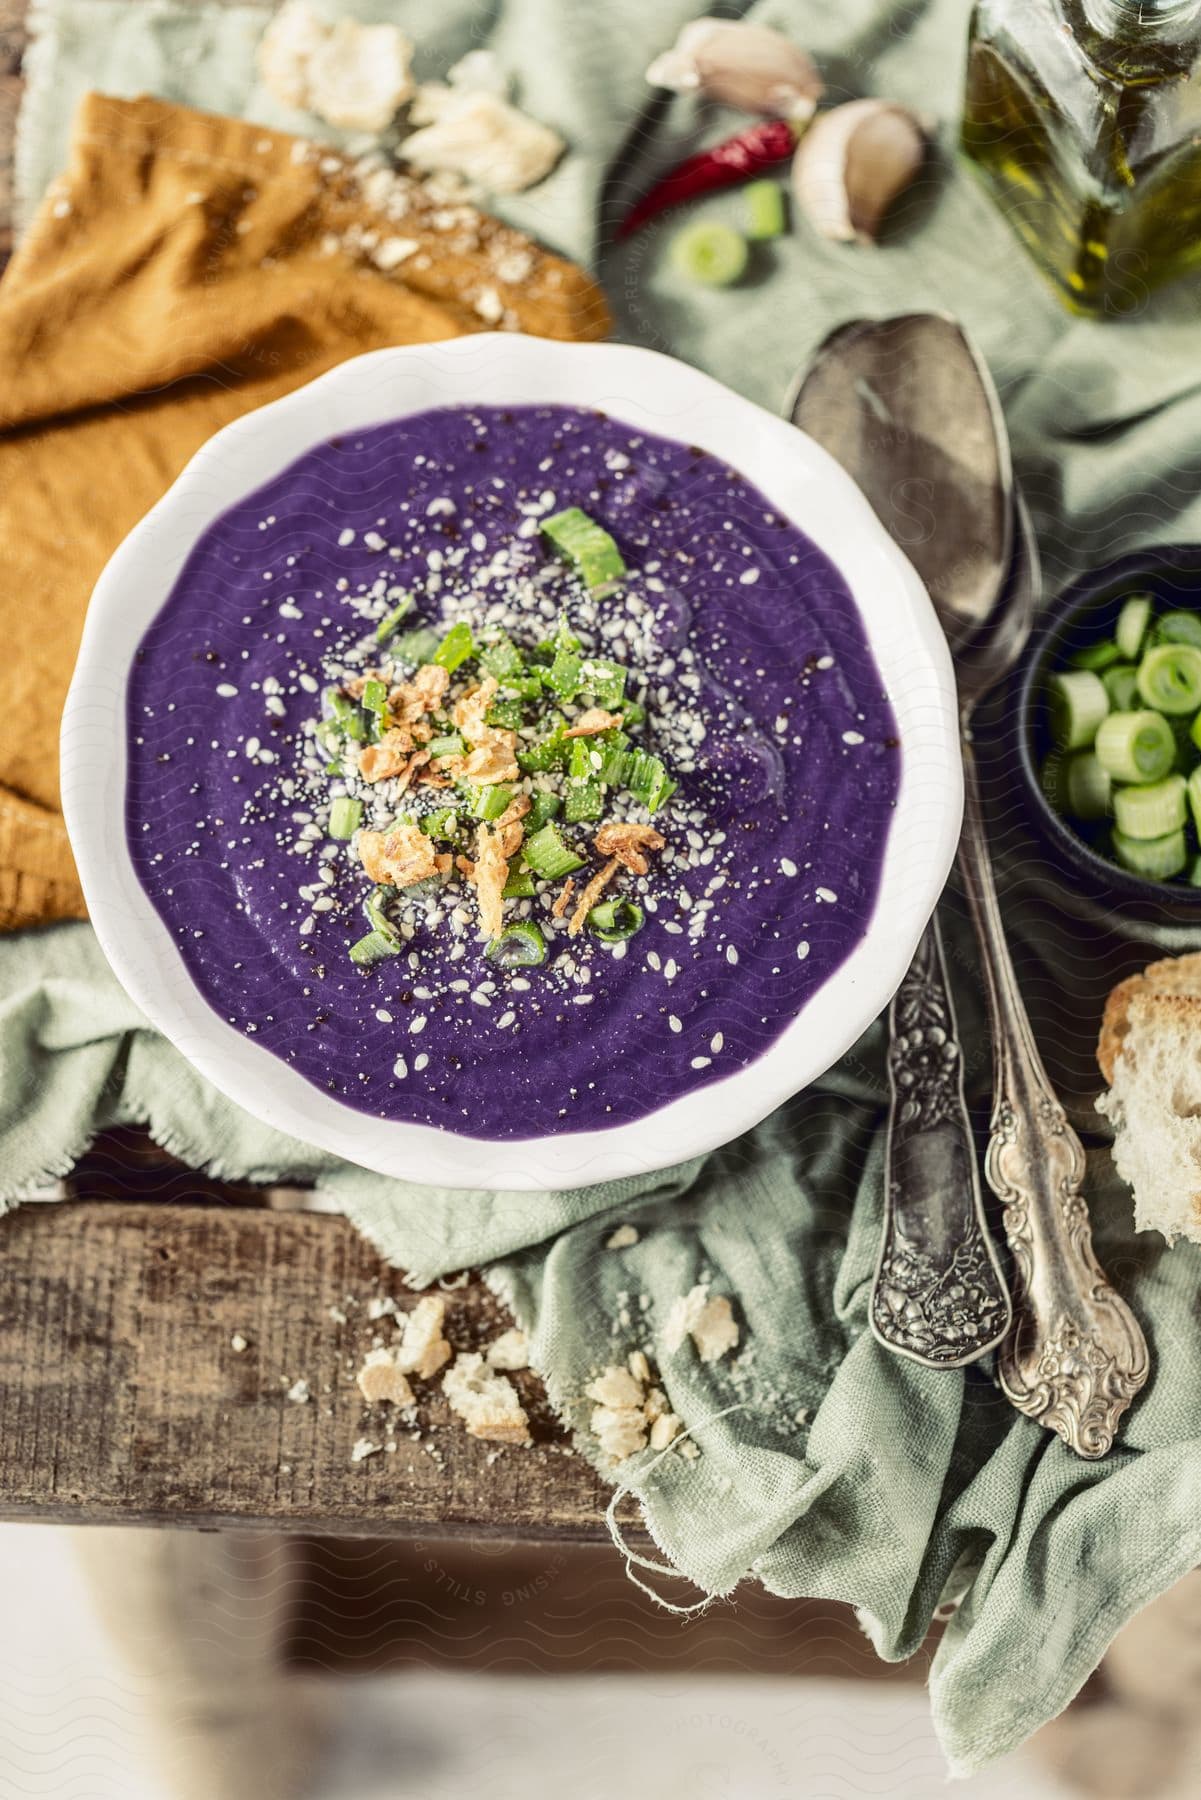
pixel 1075 1356
pixel 906 407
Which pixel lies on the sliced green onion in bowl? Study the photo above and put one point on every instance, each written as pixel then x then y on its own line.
pixel 1150 811
pixel 1132 624
pixel 1121 684
pixel 614 921
pixel 1136 746
pixel 345 816
pixel 1097 657
pixel 1078 705
pixel 1169 678
pixel 1087 786
pixel 1178 628
pixel 520 946
pixel 1159 859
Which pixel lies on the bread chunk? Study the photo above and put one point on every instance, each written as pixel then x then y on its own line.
pixel 1149 1051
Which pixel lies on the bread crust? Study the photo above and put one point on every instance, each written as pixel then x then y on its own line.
pixel 1169 988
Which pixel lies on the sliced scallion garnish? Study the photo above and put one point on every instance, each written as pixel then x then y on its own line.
pixel 417 646
pixel 545 852
pixel 587 546
pixel 614 921
pixel 345 816
pixel 375 910
pixel 1152 810
pixel 491 802
pixel 1131 627
pixel 545 806
pixel 390 622
pixel 503 659
pixel 1169 678
pixel 372 949
pixel 520 946
pixel 1136 746
pixel 1178 628
pixel 455 648
pixel 451 744
pixel 375 702
pixel 1157 858
pixel 520 885
pixel 347 716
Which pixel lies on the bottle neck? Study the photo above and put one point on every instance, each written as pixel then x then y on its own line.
pixel 1137 40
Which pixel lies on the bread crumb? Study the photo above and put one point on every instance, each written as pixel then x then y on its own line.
pixel 239 1343
pixel 665 1429
pixel 299 1392
pixel 381 1379
pixel 690 1450
pixel 620 1431
pixel 509 1351
pixel 622 1238
pixel 352 75
pixel 616 1387
pixel 486 1401
pixel 423 1349
pixel 363 1449
pixel 638 1366
pixel 709 1322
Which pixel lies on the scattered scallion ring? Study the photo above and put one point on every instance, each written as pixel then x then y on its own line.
pixel 614 921
pixel 520 946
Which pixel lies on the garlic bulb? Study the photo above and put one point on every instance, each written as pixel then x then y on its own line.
pixel 852 163
pixel 740 65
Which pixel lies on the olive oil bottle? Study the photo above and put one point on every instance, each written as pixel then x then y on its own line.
pixel 1084 117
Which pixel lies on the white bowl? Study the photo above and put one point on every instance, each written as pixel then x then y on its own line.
pixel 649 392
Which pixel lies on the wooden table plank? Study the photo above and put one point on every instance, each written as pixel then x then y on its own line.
pixel 122 1398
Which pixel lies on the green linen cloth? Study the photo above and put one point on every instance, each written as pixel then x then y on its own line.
pixel 847 1474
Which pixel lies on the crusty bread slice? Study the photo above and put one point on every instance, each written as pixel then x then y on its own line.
pixel 1149 1052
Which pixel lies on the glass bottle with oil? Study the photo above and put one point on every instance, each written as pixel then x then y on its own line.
pixel 1084 116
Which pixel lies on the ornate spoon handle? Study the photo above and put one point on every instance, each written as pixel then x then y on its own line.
pixel 939 1295
pixel 1076 1355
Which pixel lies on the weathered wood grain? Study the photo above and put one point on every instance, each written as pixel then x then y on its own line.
pixel 122 1398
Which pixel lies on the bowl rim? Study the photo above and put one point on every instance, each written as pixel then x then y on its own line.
pixel 642 388
pixel 1092 588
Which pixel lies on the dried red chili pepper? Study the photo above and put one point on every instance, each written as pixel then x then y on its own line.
pixel 748 153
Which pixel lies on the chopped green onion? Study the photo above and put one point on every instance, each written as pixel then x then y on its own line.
pixel 1078 705
pixel 545 852
pixel 441 824
pixel 587 546
pixel 766 214
pixel 583 801
pixel 520 885
pixel 345 816
pixel 1150 811
pixel 1169 678
pixel 1194 796
pixel 713 254
pixel 604 681
pixel 1121 684
pixel 507 715
pixel 375 701
pixel 548 753
pixel 388 624
pixel 649 782
pixel 491 802
pixel 450 745
pixel 1194 874
pixel 1097 656
pixel 614 749
pixel 1132 624
pixel 1157 858
pixel 374 907
pixel 1178 628
pixel 455 648
pixel 521 946
pixel 503 659
pixel 544 807
pixel 1088 786
pixel 417 646
pixel 1136 746
pixel 524 687
pixel 347 715
pixel 372 949
pixel 616 920
pixel 563 676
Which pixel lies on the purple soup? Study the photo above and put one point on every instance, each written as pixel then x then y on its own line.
pixel 753 684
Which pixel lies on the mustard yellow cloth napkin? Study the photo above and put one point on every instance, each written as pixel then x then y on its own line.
pixel 185 269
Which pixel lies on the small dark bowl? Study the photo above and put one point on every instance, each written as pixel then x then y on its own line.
pixel 1084 613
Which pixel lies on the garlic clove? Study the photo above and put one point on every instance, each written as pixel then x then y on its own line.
pixel 748 66
pixel 852 163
